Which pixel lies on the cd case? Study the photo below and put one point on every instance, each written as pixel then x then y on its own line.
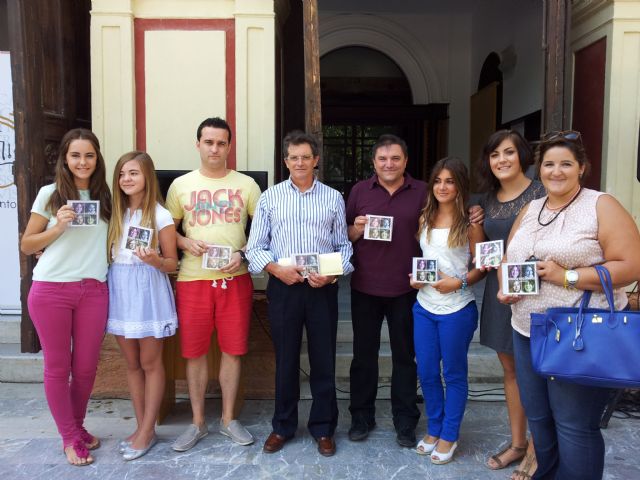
pixel 328 263
pixel 216 257
pixel 378 227
pixel 137 236
pixel 87 212
pixel 425 270
pixel 309 262
pixel 489 254
pixel 520 278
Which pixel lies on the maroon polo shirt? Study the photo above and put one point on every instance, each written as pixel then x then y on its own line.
pixel 382 268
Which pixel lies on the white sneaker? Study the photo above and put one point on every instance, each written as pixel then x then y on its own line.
pixel 236 432
pixel 190 437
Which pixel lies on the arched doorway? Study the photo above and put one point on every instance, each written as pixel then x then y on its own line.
pixel 365 94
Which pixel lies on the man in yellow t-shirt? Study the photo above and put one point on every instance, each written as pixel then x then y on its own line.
pixel 212 205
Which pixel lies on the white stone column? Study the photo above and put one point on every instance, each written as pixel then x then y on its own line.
pixel 112 78
pixel 255 85
pixel 619 22
pixel 622 109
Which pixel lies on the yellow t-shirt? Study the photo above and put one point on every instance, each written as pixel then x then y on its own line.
pixel 214 210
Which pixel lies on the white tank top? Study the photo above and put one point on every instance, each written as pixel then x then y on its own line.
pixel 452 262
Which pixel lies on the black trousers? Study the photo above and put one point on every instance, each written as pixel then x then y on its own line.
pixel 291 308
pixel 367 314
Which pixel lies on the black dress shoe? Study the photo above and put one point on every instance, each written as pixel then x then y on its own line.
pixel 360 429
pixel 406 437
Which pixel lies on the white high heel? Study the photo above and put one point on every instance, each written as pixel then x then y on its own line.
pixel 425 448
pixel 438 458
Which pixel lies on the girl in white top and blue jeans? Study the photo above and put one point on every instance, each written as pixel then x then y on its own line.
pixel 445 313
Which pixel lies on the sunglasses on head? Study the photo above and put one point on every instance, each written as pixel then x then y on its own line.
pixel 571 135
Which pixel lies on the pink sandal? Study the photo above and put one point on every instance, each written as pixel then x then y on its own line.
pixel 81 452
pixel 90 442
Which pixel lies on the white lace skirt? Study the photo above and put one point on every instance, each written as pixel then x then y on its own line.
pixel 141 302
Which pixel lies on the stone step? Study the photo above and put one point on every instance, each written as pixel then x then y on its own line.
pixel 9 329
pixel 481 392
pixel 20 367
pixel 484 366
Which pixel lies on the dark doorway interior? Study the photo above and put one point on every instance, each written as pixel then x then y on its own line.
pixel 350 132
pixel 365 94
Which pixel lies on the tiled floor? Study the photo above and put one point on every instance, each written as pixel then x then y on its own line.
pixel 30 448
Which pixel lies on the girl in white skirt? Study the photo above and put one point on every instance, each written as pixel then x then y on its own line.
pixel 142 246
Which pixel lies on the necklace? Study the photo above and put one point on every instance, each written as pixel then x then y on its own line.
pixel 557 214
pixel 553 209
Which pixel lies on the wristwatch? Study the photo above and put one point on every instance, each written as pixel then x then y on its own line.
pixel 570 278
pixel 243 256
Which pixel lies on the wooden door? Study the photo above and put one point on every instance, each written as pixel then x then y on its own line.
pixel 588 104
pixel 49 42
pixel 484 120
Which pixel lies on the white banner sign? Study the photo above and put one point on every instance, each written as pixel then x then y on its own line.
pixel 10 278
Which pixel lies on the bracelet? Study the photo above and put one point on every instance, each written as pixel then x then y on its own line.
pixel 463 279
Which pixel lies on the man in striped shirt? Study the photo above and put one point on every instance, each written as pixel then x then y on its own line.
pixel 301 216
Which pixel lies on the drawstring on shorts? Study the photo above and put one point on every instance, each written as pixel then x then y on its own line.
pixel 223 285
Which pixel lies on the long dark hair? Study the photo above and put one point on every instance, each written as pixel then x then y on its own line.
pixel 459 231
pixel 65 186
pixel 488 181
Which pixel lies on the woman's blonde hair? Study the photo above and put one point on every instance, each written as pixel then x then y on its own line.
pixel 458 233
pixel 151 197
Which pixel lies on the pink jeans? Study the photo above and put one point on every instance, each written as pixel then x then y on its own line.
pixel 70 318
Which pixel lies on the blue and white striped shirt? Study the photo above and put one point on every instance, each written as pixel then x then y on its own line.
pixel 288 221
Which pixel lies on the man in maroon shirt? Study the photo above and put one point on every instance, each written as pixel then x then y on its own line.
pixel 380 288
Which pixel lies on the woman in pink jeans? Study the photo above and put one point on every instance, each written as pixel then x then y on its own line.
pixel 69 298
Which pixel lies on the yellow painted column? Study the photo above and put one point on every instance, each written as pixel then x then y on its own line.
pixel 622 114
pixel 112 78
pixel 255 85
pixel 619 22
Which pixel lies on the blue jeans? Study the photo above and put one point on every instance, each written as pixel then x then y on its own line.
pixel 444 338
pixel 564 419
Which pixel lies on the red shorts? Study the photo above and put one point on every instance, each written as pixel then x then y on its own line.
pixel 203 308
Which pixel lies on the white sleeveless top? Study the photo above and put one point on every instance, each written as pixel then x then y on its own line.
pixel 571 241
pixel 452 262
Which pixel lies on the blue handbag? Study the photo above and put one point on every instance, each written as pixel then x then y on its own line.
pixel 589 346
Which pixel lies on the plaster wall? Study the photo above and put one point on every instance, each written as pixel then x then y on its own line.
pixel 184 79
pixel 505 25
pixel 180 90
pixel 441 50
pixel 431 50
